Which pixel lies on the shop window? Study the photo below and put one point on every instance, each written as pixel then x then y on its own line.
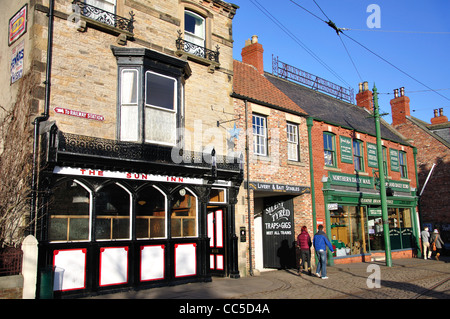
pixel 358 155
pixel 112 213
pixel 69 212
pixel 150 214
pixel 403 166
pixel 348 230
pixel 329 149
pixel 259 135
pixel 292 139
pixel 184 214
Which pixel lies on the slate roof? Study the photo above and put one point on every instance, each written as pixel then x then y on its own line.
pixel 334 111
pixel 250 84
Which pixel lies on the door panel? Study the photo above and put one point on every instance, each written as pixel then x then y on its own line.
pixel 216 233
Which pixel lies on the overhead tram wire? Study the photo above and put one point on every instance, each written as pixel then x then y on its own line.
pixel 298 41
pixel 340 31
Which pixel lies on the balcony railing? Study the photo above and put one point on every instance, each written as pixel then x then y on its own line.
pixel 197 50
pixel 102 16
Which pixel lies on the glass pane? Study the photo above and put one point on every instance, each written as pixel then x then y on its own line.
pixel 184 215
pixel 129 86
pixel 194 26
pixel 112 213
pixel 217 195
pixel 69 212
pixel 160 91
pixel 150 214
pixel 160 126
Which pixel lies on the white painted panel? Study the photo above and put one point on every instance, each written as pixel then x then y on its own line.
pixel 211 261
pixel 113 266
pixel 219 229
pixel 219 265
pixel 70 269
pixel 210 221
pixel 185 260
pixel 152 262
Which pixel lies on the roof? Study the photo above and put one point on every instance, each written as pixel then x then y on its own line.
pixel 248 83
pixel 431 129
pixel 328 109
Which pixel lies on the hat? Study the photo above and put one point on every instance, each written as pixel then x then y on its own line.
pixel 436 231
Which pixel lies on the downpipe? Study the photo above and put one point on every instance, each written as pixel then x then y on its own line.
pixel 38 120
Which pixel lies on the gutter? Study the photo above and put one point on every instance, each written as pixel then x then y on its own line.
pixel 44 117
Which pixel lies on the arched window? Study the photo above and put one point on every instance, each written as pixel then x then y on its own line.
pixel 69 212
pixel 150 214
pixel 112 213
pixel 184 214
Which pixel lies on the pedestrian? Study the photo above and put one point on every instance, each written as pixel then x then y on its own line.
pixel 437 243
pixel 426 243
pixel 320 243
pixel 304 243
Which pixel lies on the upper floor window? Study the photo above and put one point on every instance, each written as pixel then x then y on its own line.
pixel 259 135
pixel 194 28
pixel 329 149
pixel 358 155
pixel 106 6
pixel 403 166
pixel 292 139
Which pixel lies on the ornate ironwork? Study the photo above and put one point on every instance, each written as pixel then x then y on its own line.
pixel 103 16
pixel 286 71
pixel 197 50
pixel 141 152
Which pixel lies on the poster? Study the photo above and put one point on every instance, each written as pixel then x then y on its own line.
pixel 17 25
pixel 17 62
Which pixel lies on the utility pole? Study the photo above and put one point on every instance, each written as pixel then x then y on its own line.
pixel 387 239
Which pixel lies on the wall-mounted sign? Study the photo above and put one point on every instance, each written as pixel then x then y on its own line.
pixel 346 149
pixel 278 188
pixel 18 25
pixel 81 114
pixel 393 154
pixel 17 56
pixel 372 159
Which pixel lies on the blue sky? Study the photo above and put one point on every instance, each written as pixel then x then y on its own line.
pixel 413 36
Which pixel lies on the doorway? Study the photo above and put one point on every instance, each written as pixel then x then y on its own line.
pixel 216 233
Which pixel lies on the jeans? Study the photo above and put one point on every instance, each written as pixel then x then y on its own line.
pixel 322 265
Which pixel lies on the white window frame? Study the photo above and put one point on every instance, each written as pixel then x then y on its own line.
pixel 292 141
pixel 259 135
pixel 197 38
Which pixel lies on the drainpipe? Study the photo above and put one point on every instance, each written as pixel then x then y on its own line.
pixel 247 154
pixel 44 117
pixel 309 123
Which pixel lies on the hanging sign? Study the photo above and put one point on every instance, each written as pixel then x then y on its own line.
pixel 81 114
pixel 17 25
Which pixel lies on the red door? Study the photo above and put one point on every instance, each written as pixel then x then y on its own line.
pixel 216 234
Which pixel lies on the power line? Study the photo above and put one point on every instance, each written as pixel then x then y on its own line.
pixel 396 31
pixel 293 37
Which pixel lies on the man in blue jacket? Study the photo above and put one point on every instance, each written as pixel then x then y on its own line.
pixel 320 243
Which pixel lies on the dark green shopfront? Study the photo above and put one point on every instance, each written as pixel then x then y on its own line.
pixel 354 217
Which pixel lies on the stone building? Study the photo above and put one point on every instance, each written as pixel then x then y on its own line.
pixel 274 200
pixel 432 141
pixel 132 181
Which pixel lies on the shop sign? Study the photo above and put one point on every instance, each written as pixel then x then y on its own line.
pixel 393 154
pixel 332 206
pixel 346 149
pixel 280 188
pixel 17 57
pixel 350 180
pixel 81 114
pixel 372 159
pixel 17 25
pixel 374 212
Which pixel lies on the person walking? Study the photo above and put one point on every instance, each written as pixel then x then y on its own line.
pixel 320 243
pixel 425 235
pixel 436 240
pixel 304 243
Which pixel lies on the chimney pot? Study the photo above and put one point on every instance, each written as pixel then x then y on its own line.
pixel 396 93
pixel 402 91
pixel 254 39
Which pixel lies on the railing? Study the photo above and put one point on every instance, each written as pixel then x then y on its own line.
pixel 104 16
pixel 10 261
pixel 197 50
pixel 286 71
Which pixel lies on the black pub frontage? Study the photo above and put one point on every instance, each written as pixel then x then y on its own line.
pixel 118 215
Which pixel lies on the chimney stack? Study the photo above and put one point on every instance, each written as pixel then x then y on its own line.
pixel 364 98
pixel 439 119
pixel 400 107
pixel 252 54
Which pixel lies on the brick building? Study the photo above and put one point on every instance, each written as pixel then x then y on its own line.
pixel 131 175
pixel 275 200
pixel 432 141
pixel 346 192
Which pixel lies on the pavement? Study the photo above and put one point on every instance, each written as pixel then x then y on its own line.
pixel 406 279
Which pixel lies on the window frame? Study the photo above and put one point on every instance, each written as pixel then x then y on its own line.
pixel 295 144
pixel 358 155
pixel 403 164
pixel 196 39
pixel 332 150
pixel 260 139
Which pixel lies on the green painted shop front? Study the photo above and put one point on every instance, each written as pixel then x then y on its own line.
pixel 353 215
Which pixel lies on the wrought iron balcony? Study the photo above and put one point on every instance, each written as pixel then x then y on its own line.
pixel 103 16
pixel 197 50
